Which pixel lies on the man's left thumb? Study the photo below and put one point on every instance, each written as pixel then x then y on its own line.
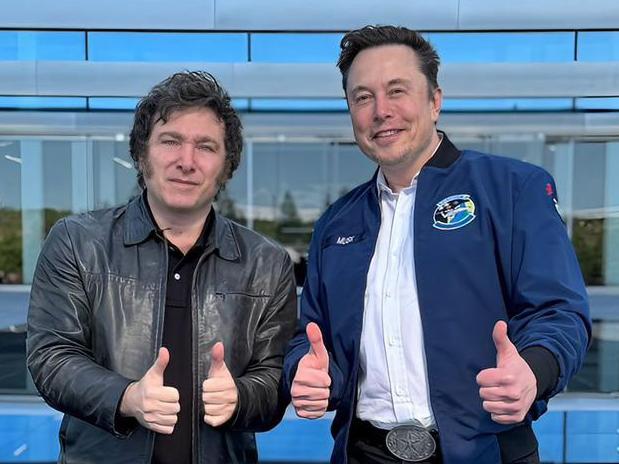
pixel 504 346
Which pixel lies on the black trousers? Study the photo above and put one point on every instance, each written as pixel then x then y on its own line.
pixel 366 445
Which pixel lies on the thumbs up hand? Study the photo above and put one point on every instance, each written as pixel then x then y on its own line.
pixel 509 389
pixel 155 406
pixel 219 393
pixel 310 387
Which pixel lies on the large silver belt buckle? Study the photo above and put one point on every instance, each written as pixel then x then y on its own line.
pixel 410 443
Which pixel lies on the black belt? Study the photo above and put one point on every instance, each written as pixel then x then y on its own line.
pixel 408 443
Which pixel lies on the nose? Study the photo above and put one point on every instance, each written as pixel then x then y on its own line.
pixel 186 158
pixel 382 108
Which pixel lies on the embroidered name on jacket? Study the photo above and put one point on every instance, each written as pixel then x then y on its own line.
pixel 345 240
pixel 454 212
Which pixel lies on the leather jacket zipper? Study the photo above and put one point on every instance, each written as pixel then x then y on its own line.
pixel 161 322
pixel 197 382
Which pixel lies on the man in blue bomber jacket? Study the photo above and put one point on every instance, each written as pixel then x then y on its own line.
pixel 443 304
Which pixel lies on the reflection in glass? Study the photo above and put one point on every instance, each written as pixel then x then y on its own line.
pixel 114 179
pixel 10 212
pixel 232 200
pixel 599 372
pixel 289 186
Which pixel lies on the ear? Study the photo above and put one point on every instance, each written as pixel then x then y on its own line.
pixel 437 103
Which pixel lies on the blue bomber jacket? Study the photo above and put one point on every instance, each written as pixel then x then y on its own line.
pixel 489 245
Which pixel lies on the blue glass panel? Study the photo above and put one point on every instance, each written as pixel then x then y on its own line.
pixel 105 103
pixel 43 102
pixel 598 46
pixel 597 103
pixel 503 47
pixel 295 48
pixel 129 104
pixel 148 46
pixel 507 104
pixel 318 104
pixel 297 440
pixel 549 431
pixel 34 45
pixel 240 104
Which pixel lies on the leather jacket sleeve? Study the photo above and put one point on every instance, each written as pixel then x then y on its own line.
pixel 260 407
pixel 59 354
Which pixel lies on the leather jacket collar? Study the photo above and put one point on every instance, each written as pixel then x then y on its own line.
pixel 139 227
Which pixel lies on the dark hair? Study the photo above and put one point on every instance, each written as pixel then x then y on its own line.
pixel 182 91
pixel 374 36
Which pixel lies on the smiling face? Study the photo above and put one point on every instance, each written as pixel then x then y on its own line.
pixel 184 167
pixel 392 108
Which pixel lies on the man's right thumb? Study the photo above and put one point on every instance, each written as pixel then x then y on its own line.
pixel 158 368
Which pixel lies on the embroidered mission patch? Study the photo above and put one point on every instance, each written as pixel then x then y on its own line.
pixel 454 212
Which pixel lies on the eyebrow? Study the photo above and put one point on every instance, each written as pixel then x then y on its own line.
pixel 201 139
pixel 397 81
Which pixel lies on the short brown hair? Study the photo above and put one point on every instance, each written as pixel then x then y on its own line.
pixel 374 36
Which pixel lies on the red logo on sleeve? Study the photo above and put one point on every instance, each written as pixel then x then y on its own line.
pixel 549 191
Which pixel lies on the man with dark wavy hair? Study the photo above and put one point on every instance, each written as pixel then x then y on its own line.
pixel 159 327
pixel 443 304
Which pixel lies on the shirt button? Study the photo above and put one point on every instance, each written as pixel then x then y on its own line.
pixel 177 276
pixel 399 390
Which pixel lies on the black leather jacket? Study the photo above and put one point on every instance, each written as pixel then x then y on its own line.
pixel 95 325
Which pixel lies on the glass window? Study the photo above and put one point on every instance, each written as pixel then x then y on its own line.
pixel 240 104
pixel 232 201
pixel 598 46
pixel 295 182
pixel 37 191
pixel 501 47
pixel 43 103
pixel 129 104
pixel 529 148
pixel 38 45
pixel 114 179
pixel 349 168
pixel 11 245
pixel 597 104
pixel 106 103
pixel 150 46
pixel 591 223
pixel 305 104
pixel 507 104
pixel 599 372
pixel 295 48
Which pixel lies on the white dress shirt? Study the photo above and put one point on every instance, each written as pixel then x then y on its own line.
pixel 393 379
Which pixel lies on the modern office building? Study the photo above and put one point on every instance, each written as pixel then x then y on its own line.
pixel 533 80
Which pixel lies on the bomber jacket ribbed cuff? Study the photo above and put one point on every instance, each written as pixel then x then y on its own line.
pixel 545 368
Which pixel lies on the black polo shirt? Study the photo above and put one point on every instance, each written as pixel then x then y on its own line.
pixel 177 338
